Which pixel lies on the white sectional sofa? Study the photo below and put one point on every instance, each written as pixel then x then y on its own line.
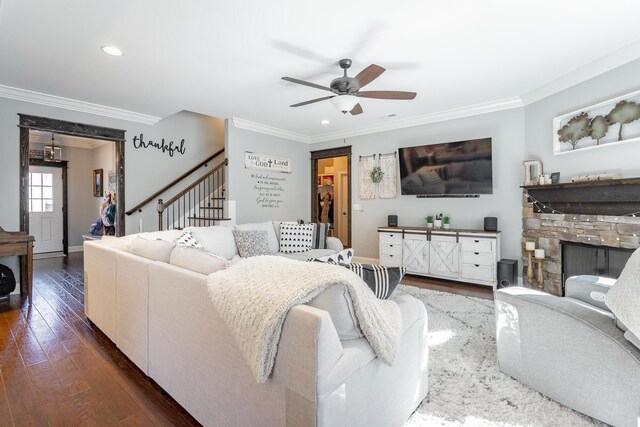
pixel 162 318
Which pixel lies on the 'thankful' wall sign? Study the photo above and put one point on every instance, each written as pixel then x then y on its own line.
pixel 171 148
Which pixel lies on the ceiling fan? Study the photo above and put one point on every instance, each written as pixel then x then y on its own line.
pixel 347 89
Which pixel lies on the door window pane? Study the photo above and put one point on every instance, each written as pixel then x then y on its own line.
pixel 48 205
pixel 40 192
pixel 36 179
pixel 47 192
pixel 47 179
pixel 36 205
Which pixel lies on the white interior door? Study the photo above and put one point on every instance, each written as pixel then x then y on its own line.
pixel 341 210
pixel 45 208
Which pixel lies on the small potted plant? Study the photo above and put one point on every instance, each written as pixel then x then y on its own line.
pixel 446 221
pixel 437 223
pixel 429 219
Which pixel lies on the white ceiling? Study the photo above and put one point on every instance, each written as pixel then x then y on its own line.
pixel 40 137
pixel 225 58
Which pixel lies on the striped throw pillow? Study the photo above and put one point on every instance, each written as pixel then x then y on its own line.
pixel 320 232
pixel 382 280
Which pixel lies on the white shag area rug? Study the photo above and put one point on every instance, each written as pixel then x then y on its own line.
pixel 466 388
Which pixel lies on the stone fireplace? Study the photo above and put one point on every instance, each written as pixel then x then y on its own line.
pixel 549 220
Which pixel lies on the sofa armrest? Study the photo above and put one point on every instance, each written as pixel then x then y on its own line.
pixel 570 352
pixel 589 289
pixel 335 244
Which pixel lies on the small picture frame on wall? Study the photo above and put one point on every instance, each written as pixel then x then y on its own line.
pixel 97 183
pixel 555 177
pixel 532 172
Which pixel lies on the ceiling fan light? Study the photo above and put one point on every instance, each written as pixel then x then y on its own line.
pixel 344 103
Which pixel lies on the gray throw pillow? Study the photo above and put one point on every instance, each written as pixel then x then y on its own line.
pixel 252 243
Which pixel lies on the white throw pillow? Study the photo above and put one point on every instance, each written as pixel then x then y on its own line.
pixel 156 250
pixel 624 297
pixel 216 239
pixel 295 237
pixel 343 257
pixel 197 260
pixel 272 239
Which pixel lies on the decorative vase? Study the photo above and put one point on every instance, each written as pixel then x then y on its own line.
pixel 437 223
pixel 429 225
pixel 447 226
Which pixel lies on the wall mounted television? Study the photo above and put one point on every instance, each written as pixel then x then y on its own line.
pixel 452 169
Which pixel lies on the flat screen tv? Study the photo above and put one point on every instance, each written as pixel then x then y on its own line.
pixel 461 168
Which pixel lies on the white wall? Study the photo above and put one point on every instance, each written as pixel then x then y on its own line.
pixel 539 128
pixel 506 128
pixel 146 170
pixel 296 202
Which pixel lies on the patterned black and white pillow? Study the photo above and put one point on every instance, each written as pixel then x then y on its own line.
pixel 343 257
pixel 252 243
pixel 295 237
pixel 382 280
pixel 188 240
pixel 320 232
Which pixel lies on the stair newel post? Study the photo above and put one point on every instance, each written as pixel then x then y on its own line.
pixel 160 209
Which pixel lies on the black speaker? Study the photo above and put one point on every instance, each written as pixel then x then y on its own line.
pixel 490 223
pixel 392 221
pixel 507 273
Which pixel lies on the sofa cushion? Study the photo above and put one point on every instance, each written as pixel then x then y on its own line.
pixel 252 243
pixel 624 297
pixel 336 301
pixel 267 226
pixel 295 237
pixel 197 260
pixel 156 250
pixel 119 243
pixel 166 235
pixel 216 239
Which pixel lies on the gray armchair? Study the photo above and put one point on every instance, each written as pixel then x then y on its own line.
pixel 570 349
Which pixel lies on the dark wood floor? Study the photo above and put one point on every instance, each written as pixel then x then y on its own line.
pixel 57 369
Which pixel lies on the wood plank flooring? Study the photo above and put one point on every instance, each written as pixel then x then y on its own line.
pixel 57 369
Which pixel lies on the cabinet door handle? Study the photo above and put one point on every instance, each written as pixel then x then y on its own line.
pixel 476 253
pixel 390 246
pixel 477 241
pixel 391 256
pixel 477 265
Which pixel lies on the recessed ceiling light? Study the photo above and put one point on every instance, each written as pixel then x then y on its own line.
pixel 112 50
pixel 325 122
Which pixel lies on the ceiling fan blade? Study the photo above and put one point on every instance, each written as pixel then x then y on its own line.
pixel 302 82
pixel 356 110
pixel 366 76
pixel 386 94
pixel 300 104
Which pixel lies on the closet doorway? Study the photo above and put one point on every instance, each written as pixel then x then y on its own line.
pixel 331 191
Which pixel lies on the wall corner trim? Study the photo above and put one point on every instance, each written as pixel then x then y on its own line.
pixel 75 105
pixel 268 130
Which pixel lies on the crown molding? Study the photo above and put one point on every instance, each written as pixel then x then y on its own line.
pixel 75 105
pixel 441 116
pixel 269 130
pixel 600 66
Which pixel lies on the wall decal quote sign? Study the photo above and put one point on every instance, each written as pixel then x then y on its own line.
pixel 170 148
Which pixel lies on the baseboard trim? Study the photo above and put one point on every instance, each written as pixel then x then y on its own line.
pixel 75 249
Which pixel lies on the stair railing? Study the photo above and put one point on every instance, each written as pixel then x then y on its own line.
pixel 205 163
pixel 200 204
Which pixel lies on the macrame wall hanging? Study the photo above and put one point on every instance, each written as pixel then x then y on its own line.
pixel 378 178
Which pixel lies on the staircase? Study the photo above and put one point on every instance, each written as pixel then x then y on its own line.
pixel 200 204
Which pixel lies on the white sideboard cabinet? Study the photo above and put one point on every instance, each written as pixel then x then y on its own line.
pixel 465 255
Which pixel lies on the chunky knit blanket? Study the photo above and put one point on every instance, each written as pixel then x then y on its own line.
pixel 254 296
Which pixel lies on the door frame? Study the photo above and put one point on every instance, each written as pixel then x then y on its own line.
pixel 27 123
pixel 65 214
pixel 325 154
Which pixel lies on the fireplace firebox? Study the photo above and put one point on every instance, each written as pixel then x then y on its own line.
pixel 580 259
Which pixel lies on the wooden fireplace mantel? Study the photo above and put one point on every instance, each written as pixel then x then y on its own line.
pixel 608 197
